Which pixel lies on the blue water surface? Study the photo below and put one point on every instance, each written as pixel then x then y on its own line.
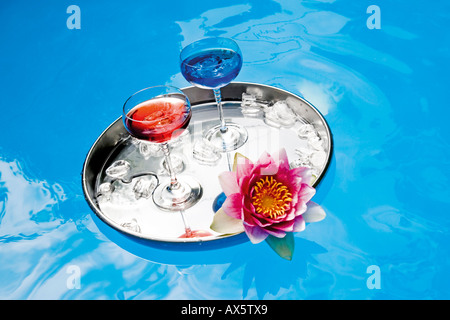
pixel 383 92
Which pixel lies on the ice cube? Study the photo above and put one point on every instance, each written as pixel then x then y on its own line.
pixel 149 149
pixel 134 140
pixel 177 164
pixel 206 153
pixel 296 163
pixel 248 99
pixel 252 110
pixel 308 132
pixel 105 190
pixel 132 225
pixel 305 131
pixel 283 109
pixel 144 186
pixel 119 169
pixel 297 106
pixel 271 118
pixel 250 106
pixel 315 142
pixel 318 158
pixel 209 62
pixel 304 154
pixel 285 113
pixel 280 115
pixel 181 140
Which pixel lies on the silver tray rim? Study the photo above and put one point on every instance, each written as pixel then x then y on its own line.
pixel 91 202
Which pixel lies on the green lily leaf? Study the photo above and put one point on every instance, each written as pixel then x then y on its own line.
pixel 284 247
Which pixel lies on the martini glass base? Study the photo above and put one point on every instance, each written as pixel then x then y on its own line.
pixel 234 137
pixel 188 193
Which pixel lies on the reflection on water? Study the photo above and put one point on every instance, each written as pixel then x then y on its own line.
pixel 29 227
pixel 390 186
pixel 284 277
pixel 39 242
pixel 19 217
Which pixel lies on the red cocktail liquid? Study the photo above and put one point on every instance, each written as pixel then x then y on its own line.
pixel 158 120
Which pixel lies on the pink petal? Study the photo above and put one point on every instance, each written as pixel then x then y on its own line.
pixel 255 234
pixel 265 165
pixel 303 173
pixel 261 220
pixel 276 233
pixel 243 167
pixel 282 159
pixel 292 214
pixel 245 184
pixel 299 224
pixel 306 192
pixel 269 170
pixel 285 225
pixel 228 182
pixel 279 230
pixel 233 206
pixel 264 159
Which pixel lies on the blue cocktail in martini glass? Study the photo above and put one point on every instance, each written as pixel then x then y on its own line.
pixel 212 63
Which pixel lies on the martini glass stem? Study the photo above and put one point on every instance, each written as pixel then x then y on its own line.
pixel 187 228
pixel 174 184
pixel 218 97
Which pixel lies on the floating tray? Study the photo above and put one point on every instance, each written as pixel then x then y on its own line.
pixel 137 216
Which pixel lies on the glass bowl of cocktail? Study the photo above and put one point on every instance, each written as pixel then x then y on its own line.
pixel 212 63
pixel 159 114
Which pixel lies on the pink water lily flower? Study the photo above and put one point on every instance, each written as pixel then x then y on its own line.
pixel 264 198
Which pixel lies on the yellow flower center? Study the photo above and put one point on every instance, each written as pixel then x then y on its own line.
pixel 271 198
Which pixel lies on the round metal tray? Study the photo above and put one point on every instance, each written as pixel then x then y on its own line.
pixel 139 217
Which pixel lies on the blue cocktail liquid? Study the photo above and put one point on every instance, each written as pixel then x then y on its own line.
pixel 212 69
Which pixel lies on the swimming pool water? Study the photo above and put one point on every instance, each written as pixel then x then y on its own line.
pixel 382 91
